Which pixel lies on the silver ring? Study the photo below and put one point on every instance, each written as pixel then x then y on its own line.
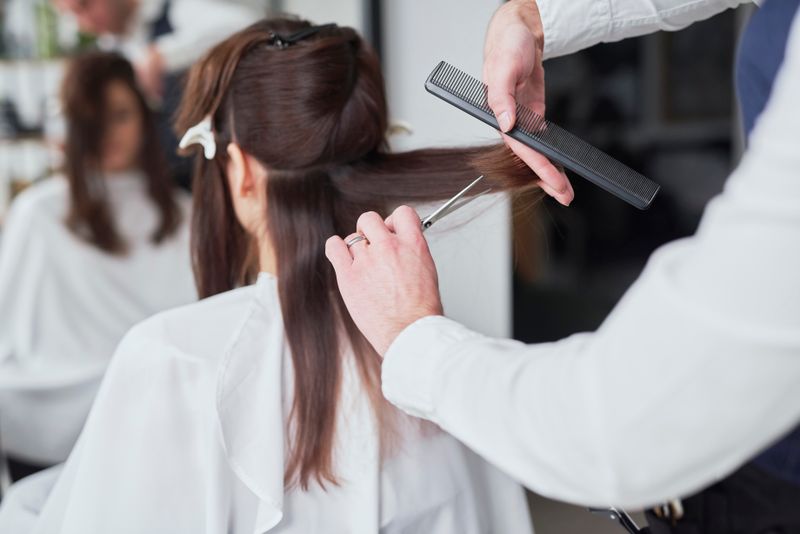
pixel 356 239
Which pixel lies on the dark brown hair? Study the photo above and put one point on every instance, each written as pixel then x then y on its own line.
pixel 314 114
pixel 83 95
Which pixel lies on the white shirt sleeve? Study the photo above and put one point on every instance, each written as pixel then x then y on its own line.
pixel 694 372
pixel 573 25
pixel 198 25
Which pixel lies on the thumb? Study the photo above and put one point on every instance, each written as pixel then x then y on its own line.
pixel 501 77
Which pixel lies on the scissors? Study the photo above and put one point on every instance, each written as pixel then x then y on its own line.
pixel 453 204
pixel 445 209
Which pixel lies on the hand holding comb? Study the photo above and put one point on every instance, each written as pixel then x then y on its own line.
pixel 469 94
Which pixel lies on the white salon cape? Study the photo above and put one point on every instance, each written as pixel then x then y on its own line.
pixel 188 435
pixel 697 368
pixel 65 305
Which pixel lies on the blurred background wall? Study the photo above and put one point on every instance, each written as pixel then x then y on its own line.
pixel 663 104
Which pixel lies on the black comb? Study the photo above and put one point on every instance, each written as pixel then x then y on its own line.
pixel 469 94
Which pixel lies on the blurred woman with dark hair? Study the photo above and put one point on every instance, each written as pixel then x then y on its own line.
pixel 84 257
pixel 259 409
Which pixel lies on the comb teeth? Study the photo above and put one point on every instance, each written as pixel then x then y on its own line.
pixel 470 94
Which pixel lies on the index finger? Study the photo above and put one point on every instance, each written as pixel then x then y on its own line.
pixel 558 185
pixel 405 223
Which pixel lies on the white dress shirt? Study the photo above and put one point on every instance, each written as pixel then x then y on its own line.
pixel 65 305
pixel 197 26
pixel 188 435
pixel 578 24
pixel 697 368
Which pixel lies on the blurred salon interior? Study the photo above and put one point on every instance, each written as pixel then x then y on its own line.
pixel 96 197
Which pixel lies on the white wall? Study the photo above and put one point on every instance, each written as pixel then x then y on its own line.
pixel 343 12
pixel 474 259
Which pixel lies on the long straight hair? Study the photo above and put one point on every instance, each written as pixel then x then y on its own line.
pixel 83 96
pixel 314 114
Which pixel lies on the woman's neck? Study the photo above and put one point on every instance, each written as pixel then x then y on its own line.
pixel 267 262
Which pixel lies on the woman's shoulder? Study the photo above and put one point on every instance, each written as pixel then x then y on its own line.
pixel 198 332
pixel 46 199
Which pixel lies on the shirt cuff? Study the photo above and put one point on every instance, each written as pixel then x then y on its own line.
pixel 549 28
pixel 571 26
pixel 412 367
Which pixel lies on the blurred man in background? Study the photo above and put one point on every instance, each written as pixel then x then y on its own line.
pixel 162 38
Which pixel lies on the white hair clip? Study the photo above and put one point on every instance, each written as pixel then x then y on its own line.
pixel 201 134
pixel 399 127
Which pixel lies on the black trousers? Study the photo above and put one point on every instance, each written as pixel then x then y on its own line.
pixel 19 469
pixel 750 501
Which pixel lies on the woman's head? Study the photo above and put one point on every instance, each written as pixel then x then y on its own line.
pixel 294 108
pixel 121 148
pixel 110 130
pixel 299 119
pixel 322 95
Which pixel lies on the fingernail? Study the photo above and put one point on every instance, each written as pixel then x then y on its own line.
pixel 505 121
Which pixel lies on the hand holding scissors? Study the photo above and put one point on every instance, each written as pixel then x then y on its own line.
pixel 456 202
pixel 385 271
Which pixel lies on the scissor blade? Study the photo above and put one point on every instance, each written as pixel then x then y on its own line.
pixel 457 206
pixel 450 206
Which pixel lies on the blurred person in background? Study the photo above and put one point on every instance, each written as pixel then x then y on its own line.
pixel 162 38
pixel 85 256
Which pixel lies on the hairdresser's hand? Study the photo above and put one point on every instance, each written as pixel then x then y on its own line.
pixel 388 281
pixel 513 70
pixel 150 75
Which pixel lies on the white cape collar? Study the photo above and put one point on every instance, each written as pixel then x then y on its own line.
pixel 249 402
